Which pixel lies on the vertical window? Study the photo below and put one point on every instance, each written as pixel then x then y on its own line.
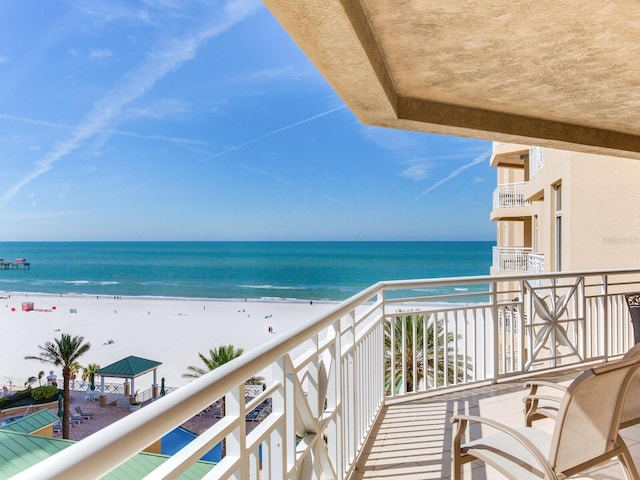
pixel 535 234
pixel 558 202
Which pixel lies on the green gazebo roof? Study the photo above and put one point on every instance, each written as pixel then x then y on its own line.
pixel 128 367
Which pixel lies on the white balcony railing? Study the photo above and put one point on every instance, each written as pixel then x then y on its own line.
pixel 510 259
pixel 331 376
pixel 535 263
pixel 508 195
pixel 536 160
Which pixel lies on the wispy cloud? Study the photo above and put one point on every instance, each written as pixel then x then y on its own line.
pixel 276 73
pixel 163 60
pixel 274 132
pixel 482 158
pixel 62 126
pixel 417 169
pixel 105 12
pixel 160 109
pixel 100 53
pixel 277 178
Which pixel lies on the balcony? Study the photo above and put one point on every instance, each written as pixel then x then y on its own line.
pixel 509 202
pixel 399 357
pixel 536 161
pixel 509 155
pixel 511 259
pixel 535 263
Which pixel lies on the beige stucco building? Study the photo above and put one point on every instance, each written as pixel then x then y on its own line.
pixel 558 210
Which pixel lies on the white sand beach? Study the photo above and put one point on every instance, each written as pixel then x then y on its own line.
pixel 171 331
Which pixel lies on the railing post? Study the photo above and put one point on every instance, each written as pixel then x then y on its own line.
pixel 493 289
pixel 236 441
pixel 335 429
pixel 605 314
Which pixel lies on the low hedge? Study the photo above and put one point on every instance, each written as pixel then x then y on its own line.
pixel 25 397
pixel 44 394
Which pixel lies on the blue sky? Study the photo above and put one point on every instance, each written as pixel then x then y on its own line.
pixel 157 121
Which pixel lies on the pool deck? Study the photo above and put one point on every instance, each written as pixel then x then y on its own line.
pixel 105 416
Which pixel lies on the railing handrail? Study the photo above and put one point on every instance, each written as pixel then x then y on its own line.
pixel 511 249
pixel 105 449
pixel 153 421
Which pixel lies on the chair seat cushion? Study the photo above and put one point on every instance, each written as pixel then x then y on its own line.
pixel 509 456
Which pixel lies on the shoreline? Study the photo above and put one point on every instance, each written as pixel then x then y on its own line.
pixel 5 294
pixel 170 330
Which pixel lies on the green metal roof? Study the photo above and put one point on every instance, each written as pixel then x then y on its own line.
pixel 19 451
pixel 128 367
pixel 32 423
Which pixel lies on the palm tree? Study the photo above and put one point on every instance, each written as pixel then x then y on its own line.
pixel 89 373
pixel 63 352
pixel 440 357
pixel 218 357
pixel 74 368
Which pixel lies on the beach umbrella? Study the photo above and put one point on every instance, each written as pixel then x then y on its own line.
pixel 92 381
pixel 162 392
pixel 60 405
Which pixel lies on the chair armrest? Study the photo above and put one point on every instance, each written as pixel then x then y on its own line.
pixel 534 384
pixel 462 421
pixel 529 398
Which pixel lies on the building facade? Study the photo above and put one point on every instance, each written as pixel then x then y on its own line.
pixel 558 210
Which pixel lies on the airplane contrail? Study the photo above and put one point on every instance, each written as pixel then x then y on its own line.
pixel 482 158
pixel 270 134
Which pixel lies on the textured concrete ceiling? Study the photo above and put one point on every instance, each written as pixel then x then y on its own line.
pixel 562 74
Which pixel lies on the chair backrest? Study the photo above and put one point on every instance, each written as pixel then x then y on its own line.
pixel 589 416
pixel 631 407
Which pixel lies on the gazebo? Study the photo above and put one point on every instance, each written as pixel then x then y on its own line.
pixel 129 368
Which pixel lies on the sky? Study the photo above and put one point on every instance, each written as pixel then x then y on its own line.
pixel 203 120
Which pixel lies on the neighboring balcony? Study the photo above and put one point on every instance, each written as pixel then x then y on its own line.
pixel 535 263
pixel 511 259
pixel 366 390
pixel 509 202
pixel 509 155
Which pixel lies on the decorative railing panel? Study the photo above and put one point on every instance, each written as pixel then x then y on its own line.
pixel 332 376
pixel 536 160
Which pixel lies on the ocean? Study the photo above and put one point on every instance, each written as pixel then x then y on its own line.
pixel 275 271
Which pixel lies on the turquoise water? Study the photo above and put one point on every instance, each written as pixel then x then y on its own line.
pixel 263 270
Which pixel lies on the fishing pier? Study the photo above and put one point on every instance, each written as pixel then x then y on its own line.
pixel 17 264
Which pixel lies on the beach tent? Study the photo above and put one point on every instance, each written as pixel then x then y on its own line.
pixel 129 368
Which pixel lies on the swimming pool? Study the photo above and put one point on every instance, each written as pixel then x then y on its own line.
pixel 8 420
pixel 179 437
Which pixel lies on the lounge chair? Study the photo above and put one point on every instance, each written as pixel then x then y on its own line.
pixel 540 405
pixel 87 415
pixel 76 419
pixel 585 432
